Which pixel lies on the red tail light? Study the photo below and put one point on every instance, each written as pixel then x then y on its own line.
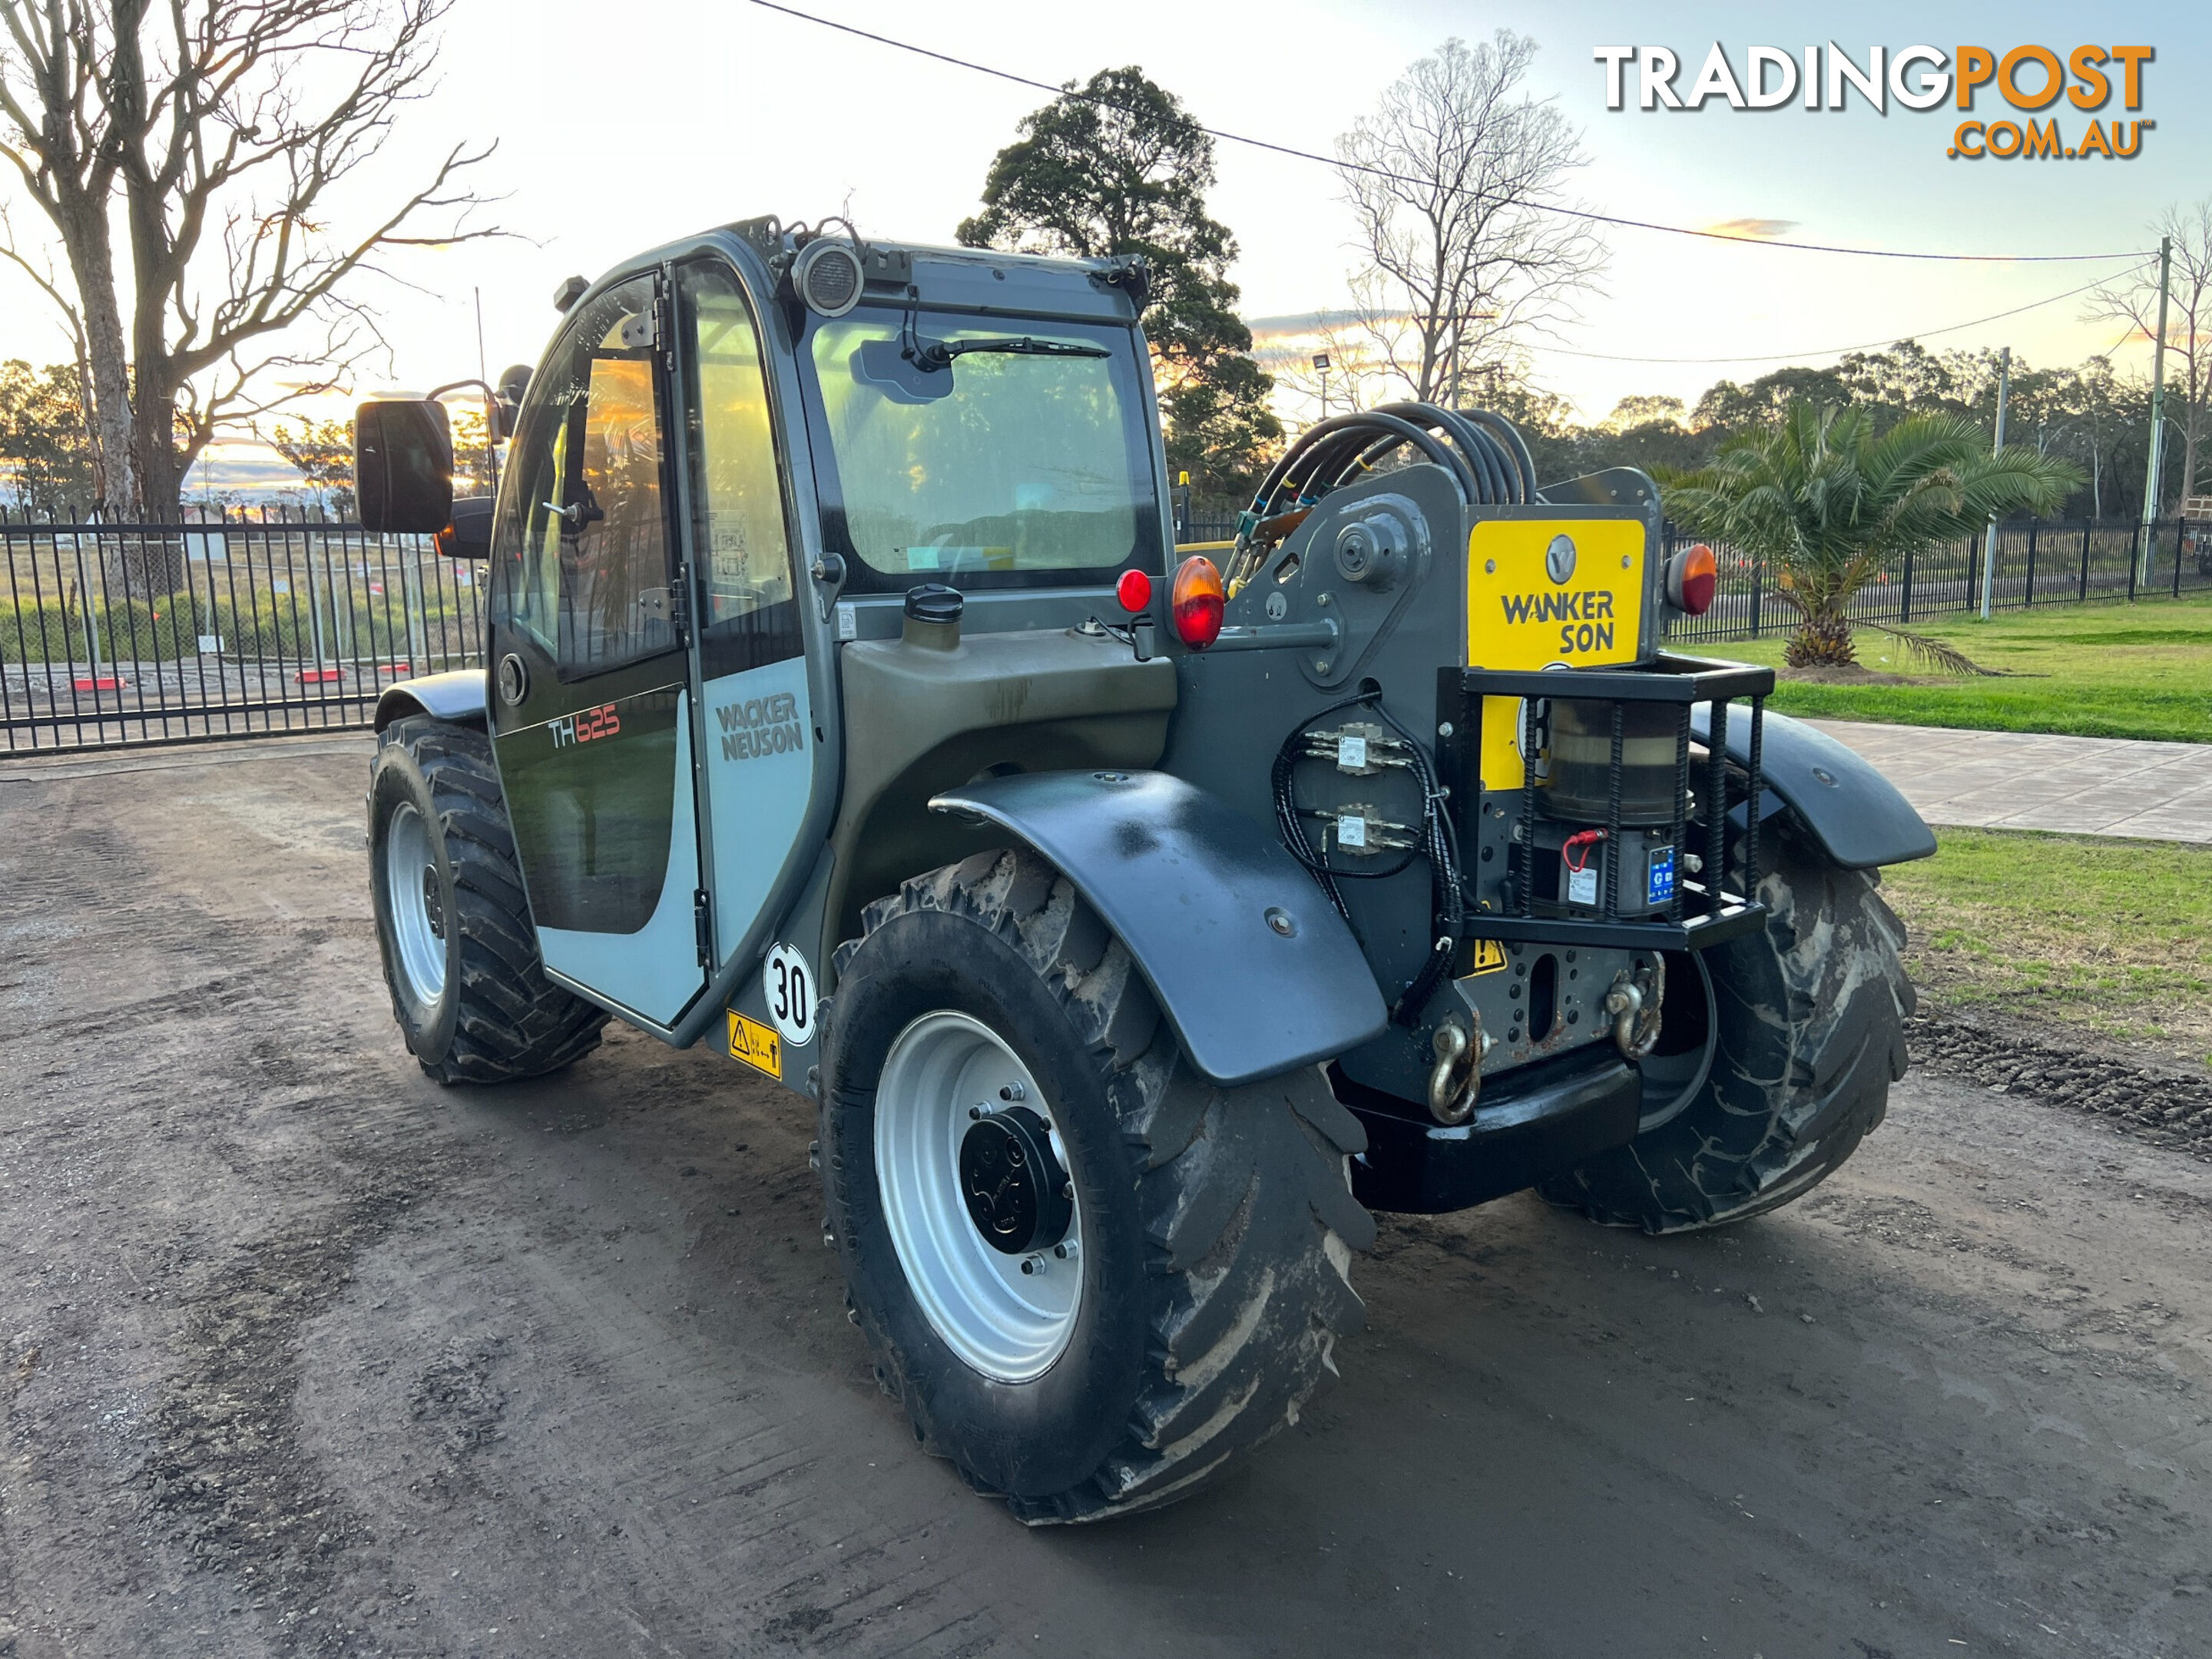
pixel 1195 602
pixel 1691 575
pixel 1134 592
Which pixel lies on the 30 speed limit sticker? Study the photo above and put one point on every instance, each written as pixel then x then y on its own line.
pixel 788 984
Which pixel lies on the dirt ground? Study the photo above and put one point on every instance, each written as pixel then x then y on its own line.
pixel 299 1353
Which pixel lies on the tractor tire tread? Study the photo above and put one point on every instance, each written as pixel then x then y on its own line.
pixel 512 1022
pixel 1249 1219
pixel 1817 1017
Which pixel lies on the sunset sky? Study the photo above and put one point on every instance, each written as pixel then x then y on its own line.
pixel 622 127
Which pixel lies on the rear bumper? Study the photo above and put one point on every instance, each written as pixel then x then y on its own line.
pixel 1531 1123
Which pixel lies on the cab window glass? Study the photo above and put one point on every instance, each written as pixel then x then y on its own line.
pixel 968 451
pixel 742 548
pixel 584 567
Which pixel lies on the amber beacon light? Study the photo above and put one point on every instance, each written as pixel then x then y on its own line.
pixel 1195 602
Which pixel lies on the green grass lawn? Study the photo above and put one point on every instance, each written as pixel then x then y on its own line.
pixel 2099 671
pixel 2114 936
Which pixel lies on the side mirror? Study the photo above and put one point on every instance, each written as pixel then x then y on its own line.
pixel 403 466
pixel 469 534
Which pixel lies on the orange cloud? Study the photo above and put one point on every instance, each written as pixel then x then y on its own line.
pixel 1752 230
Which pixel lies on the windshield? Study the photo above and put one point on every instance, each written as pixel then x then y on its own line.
pixel 1025 453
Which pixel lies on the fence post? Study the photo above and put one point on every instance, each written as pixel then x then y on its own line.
pixel 84 598
pixel 1973 579
pixel 2179 525
pixel 1758 584
pixel 2082 598
pixel 314 599
pixel 2033 525
pixel 2135 553
pixel 411 583
pixel 1904 601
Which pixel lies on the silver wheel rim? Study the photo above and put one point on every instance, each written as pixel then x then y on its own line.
pixel 1009 1325
pixel 418 936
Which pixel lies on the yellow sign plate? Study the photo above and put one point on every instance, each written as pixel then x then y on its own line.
pixel 1519 616
pixel 1489 958
pixel 755 1044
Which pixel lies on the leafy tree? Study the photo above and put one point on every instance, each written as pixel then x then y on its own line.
pixel 45 451
pixel 472 456
pixel 321 453
pixel 1635 412
pixel 1119 167
pixel 1827 503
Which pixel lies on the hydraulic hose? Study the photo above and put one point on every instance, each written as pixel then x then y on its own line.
pixel 1484 453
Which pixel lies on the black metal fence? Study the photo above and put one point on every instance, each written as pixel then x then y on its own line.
pixel 230 626
pixel 2040 561
pixel 275 621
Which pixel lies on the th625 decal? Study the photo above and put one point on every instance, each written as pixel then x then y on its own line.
pixel 585 727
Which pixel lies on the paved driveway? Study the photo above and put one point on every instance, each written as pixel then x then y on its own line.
pixel 2033 780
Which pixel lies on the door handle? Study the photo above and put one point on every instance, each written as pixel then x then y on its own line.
pixel 513 679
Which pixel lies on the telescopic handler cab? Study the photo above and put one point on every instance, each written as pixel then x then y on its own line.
pixel 1135 919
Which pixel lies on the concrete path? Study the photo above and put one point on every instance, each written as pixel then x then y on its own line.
pixel 2033 780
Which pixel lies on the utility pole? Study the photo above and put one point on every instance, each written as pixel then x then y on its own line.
pixel 491 414
pixel 2151 480
pixel 1989 536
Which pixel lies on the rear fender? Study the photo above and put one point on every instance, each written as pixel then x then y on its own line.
pixel 1856 814
pixel 1255 969
pixel 459 696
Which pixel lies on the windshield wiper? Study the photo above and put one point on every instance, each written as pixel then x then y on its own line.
pixel 939 354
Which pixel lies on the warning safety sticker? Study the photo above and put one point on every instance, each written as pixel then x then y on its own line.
pixel 755 1044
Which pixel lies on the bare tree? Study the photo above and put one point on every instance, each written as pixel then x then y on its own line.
pixel 1353 371
pixel 215 132
pixel 2134 299
pixel 1449 183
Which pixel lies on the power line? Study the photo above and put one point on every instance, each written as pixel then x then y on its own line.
pixel 1837 351
pixel 1425 184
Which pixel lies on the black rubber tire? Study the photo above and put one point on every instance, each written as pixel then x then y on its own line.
pixel 499 1018
pixel 1811 1014
pixel 1219 1223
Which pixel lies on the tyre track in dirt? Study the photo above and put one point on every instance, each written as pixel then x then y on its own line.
pixel 303 1354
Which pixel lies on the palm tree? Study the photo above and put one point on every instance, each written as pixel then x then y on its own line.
pixel 1827 504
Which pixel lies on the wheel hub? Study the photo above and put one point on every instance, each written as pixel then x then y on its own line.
pixel 972 1168
pixel 433 903
pixel 1016 1193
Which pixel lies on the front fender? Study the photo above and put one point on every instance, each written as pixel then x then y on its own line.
pixel 458 696
pixel 1858 815
pixel 1256 971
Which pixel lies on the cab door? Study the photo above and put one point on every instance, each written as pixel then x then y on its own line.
pixel 590 713
pixel 756 719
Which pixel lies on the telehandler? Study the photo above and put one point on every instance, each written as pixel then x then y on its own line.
pixel 1135 920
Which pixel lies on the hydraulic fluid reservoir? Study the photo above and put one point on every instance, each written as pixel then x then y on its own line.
pixel 1579 788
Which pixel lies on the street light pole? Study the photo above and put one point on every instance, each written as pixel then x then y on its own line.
pixel 2151 480
pixel 1989 536
pixel 1321 363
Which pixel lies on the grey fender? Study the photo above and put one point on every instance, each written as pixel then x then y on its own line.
pixel 458 695
pixel 1249 962
pixel 1856 814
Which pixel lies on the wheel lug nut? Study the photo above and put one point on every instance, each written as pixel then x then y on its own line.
pixel 1013 1091
pixel 1065 1250
pixel 1033 1263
